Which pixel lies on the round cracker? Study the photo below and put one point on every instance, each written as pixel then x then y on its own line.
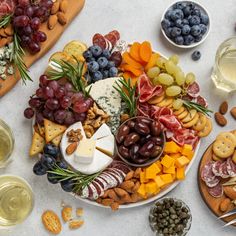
pixel 190 116
pixel 166 102
pixel 191 122
pixel 156 99
pixel 183 115
pixel 206 130
pixel 227 135
pixel 75 48
pixel 51 222
pixel 223 147
pixel 215 158
pixel 201 122
pixel 179 111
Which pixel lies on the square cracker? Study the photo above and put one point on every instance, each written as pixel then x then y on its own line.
pixel 37 144
pixel 56 141
pixel 52 130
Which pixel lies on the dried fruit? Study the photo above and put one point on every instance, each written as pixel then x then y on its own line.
pixel 220 119
pixel 223 107
pixel 52 21
pixel 107 201
pixel 71 148
pixel 79 212
pixel 75 224
pixel 62 18
pixel 233 112
pixel 66 213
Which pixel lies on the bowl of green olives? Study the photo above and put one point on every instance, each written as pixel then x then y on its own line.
pixel 140 141
pixel 170 217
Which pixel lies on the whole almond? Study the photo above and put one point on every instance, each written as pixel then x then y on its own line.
pixel 114 206
pixel 9 39
pixel 120 192
pixel 71 148
pixel 233 112
pixel 107 201
pixel 137 173
pixel 113 195
pixel 136 187
pixel 223 107
pixel 224 205
pixel 220 119
pixel 127 185
pixel 129 175
pixel 3 42
pixel 9 30
pixel 2 32
pixel 62 18
pixel 55 7
pixel 64 6
pixel 52 21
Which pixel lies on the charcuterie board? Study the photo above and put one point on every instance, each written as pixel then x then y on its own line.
pixel 74 7
pixel 213 203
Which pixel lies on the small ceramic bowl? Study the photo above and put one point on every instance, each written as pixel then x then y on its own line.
pixel 149 160
pixel 202 9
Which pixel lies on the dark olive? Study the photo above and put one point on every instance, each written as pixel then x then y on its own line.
pixel 122 133
pixel 124 152
pixel 131 124
pixel 145 139
pixel 138 159
pixel 141 128
pixel 131 139
pixel 157 140
pixel 144 120
pixel 134 150
pixel 155 128
pixel 147 149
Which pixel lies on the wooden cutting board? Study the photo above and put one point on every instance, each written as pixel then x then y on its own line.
pixel 75 6
pixel 211 202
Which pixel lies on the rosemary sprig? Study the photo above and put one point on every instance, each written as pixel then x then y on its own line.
pixel 5 20
pixel 72 72
pixel 16 58
pixel 130 97
pixel 196 106
pixel 80 180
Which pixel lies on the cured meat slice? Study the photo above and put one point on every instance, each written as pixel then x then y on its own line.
pixel 216 168
pixel 213 182
pixel 111 38
pixel 170 122
pixel 116 34
pixel 223 170
pixel 202 101
pixel 206 174
pixel 99 40
pixel 108 45
pixel 6 7
pixel 231 167
pixel 216 191
pixel 193 90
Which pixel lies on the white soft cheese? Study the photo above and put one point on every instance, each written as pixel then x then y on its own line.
pixel 102 131
pixel 106 145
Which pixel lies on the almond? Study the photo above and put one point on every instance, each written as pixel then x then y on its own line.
pixel 135 197
pixel 9 39
pixel 127 185
pixel 75 224
pixel 62 18
pixel 107 201
pixel 3 42
pixel 2 32
pixel 136 187
pixel 52 21
pixel 113 195
pixel 9 30
pixel 220 119
pixel 71 148
pixel 64 6
pixel 233 112
pixel 120 192
pixel 223 107
pixel 224 205
pixel 137 173
pixel 129 175
pixel 115 206
pixel 55 7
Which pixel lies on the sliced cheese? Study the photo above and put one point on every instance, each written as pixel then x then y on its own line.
pixel 106 145
pixel 103 131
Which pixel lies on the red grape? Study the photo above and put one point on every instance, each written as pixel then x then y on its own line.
pixel 77 97
pixel 89 102
pixel 29 11
pixel 69 120
pixel 48 92
pixel 43 79
pixel 60 92
pixel 34 47
pixel 35 23
pixel 35 102
pixel 53 85
pixel 21 21
pixel 70 94
pixel 80 107
pixel 60 116
pixel 47 3
pixel 68 86
pixel 25 40
pixel 65 102
pixel 23 3
pixel 19 11
pixel 80 116
pixel 39 36
pixel 39 93
pixel 29 113
pixel 39 118
pixel 27 30
pixel 116 58
pixel 52 104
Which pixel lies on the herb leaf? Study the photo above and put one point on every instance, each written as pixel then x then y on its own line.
pixel 5 20
pixel 196 106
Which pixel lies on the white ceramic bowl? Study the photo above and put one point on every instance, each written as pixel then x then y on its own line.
pixel 203 9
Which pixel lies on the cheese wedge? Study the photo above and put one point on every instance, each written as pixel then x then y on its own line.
pixel 106 145
pixel 103 131
pixel 37 144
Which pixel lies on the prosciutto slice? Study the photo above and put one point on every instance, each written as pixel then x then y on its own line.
pixel 7 6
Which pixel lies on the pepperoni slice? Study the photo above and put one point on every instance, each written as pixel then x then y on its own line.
pixel 111 38
pixel 116 34
pixel 216 191
pixel 99 40
pixel 202 101
pixel 193 90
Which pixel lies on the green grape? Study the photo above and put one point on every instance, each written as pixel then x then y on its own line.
pixel 153 72
pixel 176 70
pixel 155 81
pixel 175 59
pixel 173 91
pixel 170 67
pixel 177 104
pixel 180 78
pixel 165 79
pixel 190 78
pixel 160 62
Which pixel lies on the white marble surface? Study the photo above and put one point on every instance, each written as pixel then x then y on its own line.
pixel 136 20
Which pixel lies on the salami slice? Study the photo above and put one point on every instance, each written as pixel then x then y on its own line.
pixel 216 168
pixel 231 167
pixel 193 90
pixel 111 38
pixel 216 191
pixel 202 101
pixel 116 34
pixel 223 170
pixel 206 174
pixel 99 40
pixel 213 182
pixel 108 45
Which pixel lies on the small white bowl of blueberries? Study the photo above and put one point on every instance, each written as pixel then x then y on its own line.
pixel 185 24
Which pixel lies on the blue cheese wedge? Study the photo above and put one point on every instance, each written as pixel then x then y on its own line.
pixel 108 99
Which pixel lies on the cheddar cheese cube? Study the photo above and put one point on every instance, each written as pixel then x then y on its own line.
pixel 181 161
pixel 151 187
pixel 167 178
pixel 180 173
pixel 170 170
pixel 160 183
pixel 167 161
pixel 142 190
pixel 142 177
pixel 187 151
pixel 171 147
pixel 158 163
pixel 175 155
pixel 152 171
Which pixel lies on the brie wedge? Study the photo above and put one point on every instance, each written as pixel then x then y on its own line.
pixel 106 145
pixel 103 131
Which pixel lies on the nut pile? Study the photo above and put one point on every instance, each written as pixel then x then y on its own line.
pixel 74 136
pixel 6 35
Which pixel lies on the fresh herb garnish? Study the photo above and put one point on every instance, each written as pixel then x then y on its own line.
pixel 5 20
pixel 73 72
pixel 196 106
pixel 80 180
pixel 128 95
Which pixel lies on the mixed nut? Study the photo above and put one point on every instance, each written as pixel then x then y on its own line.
pixel 139 139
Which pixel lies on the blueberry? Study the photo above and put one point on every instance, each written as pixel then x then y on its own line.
pixel 177 14
pixel 96 50
pixel 196 12
pixel 110 64
pixel 175 32
pixel 198 38
pixel 188 39
pixel 87 54
pixel 204 19
pixel 195 30
pixel 165 24
pixel 93 66
pixel 38 169
pixel 102 62
pixel 106 53
pixel 90 59
pixel 47 161
pixel 203 28
pixel 194 20
pixel 62 165
pixel 186 30
pixel 113 71
pixel 196 55
pixel 180 5
pixel 105 74
pixel 185 21
pixel 168 14
pixel 51 150
pixel 191 5
pixel 179 23
pixel 179 40
pixel 67 185
pixel 97 76
pixel 52 178
pixel 187 11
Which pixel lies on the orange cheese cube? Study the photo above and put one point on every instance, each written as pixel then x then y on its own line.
pixel 160 183
pixel 170 170
pixel 142 191
pixel 167 161
pixel 172 147
pixel 175 155
pixel 158 163
pixel 152 171
pixel 180 173
pixel 173 176
pixel 187 151
pixel 167 178
pixel 181 161
pixel 142 177
pixel 151 187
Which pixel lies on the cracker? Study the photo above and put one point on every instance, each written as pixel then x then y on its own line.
pixel 51 222
pixel 183 115
pixel 227 135
pixel 166 102
pixel 156 99
pixel 179 111
pixel 41 130
pixel 75 224
pixel 201 122
pixel 56 141
pixel 66 213
pixel 75 48
pixel 37 145
pixel 223 147
pixel 191 122
pixel 52 130
pixel 206 130
pixel 190 116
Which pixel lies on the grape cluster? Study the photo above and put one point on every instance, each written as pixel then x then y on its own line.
pixel 101 63
pixel 58 102
pixel 27 20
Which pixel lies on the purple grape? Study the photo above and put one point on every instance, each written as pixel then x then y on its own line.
pixel 69 120
pixel 39 36
pixel 39 118
pixel 34 102
pixel 60 116
pixel 60 92
pixel 29 11
pixel 48 3
pixel 68 87
pixel 19 11
pixel 77 97
pixel 43 80
pixel 29 113
pixel 34 47
pixel 80 116
pixel 80 107
pixel 52 104
pixel 27 30
pixel 21 21
pixel 53 85
pixel 35 23
pixel 65 102
pixel 25 40
pixel 48 92
pixel 39 93
pixel 47 113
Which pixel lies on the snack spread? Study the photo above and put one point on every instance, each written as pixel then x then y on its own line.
pixel 127 121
